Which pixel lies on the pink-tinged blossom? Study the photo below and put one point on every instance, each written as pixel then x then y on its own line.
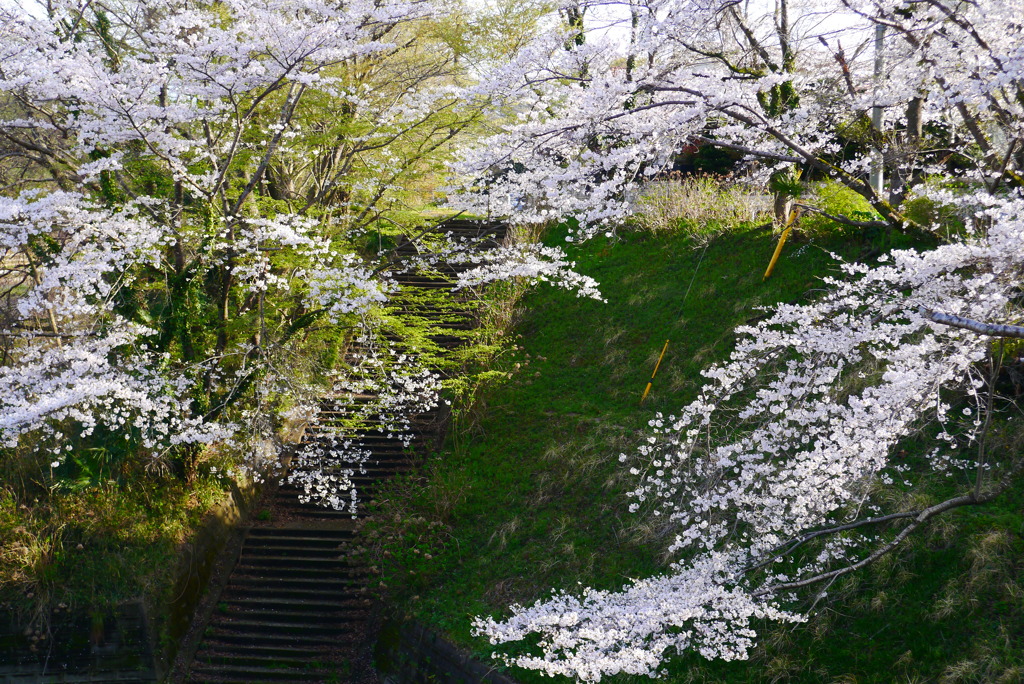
pixel 582 131
pixel 204 99
pixel 400 387
pixel 530 262
pixel 183 90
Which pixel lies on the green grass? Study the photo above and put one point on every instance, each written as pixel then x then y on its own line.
pixel 97 546
pixel 529 495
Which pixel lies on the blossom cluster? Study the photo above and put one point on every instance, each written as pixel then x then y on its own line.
pixel 136 124
pixel 584 131
pixel 531 262
pixel 381 393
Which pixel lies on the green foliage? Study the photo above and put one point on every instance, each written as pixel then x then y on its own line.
pixel 715 160
pixel 786 183
pixel 836 199
pixel 479 32
pixel 943 219
pixel 702 205
pixel 95 542
pixel 148 177
pixel 780 98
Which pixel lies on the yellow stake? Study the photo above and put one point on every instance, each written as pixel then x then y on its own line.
pixel 778 251
pixel 651 381
pixel 791 219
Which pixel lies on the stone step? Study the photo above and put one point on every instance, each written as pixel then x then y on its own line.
pixel 261 558
pixel 284 650
pixel 271 572
pixel 275 628
pixel 305 541
pixel 253 673
pixel 304 617
pixel 339 601
pixel 273 545
pixel 287 589
pixel 285 584
pixel 297 597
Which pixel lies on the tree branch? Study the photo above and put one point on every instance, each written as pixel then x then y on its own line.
pixel 922 517
pixel 991 329
pixel 793 544
pixel 764 154
pixel 842 219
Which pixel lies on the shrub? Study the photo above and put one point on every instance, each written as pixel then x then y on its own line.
pixel 945 219
pixel 838 200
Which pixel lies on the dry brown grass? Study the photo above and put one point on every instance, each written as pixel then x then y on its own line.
pixel 702 205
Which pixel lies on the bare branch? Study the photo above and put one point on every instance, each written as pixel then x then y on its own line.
pixel 991 329
pixel 842 219
pixel 922 517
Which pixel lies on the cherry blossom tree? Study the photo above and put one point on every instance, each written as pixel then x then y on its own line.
pixel 783 89
pixel 160 262
pixel 186 194
pixel 771 484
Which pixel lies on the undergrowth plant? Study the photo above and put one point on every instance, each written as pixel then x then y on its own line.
pixel 704 205
pixel 97 546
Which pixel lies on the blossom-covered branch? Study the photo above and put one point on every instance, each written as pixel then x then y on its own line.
pixel 774 93
pixel 766 483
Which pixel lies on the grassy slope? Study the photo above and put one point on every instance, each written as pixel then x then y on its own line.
pixel 529 494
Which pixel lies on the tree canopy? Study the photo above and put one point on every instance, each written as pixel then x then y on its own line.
pixel 188 191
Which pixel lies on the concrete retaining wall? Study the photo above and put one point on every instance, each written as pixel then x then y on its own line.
pixel 198 563
pixel 113 646
pixel 409 653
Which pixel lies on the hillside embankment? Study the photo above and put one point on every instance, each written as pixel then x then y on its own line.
pixel 528 494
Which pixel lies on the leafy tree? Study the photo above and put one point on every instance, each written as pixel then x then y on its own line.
pixel 185 186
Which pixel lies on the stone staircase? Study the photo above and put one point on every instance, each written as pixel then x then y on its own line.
pixel 297 606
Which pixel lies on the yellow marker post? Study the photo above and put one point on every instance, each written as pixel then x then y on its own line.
pixel 786 193
pixel 647 389
pixel 791 219
pixel 778 251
